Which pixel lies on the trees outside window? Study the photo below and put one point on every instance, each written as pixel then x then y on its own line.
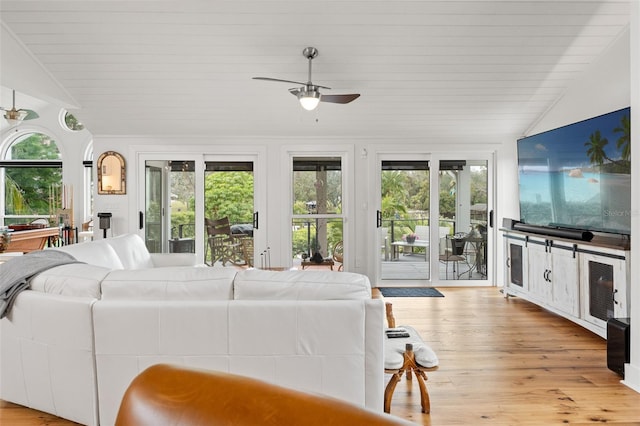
pixel 317 205
pixel 32 172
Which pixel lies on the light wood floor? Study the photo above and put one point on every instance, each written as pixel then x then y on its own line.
pixel 502 362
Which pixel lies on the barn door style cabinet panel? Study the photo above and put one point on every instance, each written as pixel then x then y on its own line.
pixel 586 282
pixel 604 284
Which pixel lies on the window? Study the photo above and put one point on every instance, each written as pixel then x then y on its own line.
pixel 72 123
pixel 317 206
pixel 32 176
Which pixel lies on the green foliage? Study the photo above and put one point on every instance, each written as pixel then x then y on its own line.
pixel 72 122
pixel 479 183
pixel 306 188
pixel 187 220
pixel 418 188
pixel 299 207
pixel 392 208
pixel 395 194
pixel 14 199
pixel 447 204
pixel 300 239
pixel 229 194
pixel 304 236
pixel 27 188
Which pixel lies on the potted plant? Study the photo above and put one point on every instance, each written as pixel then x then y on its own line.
pixel 410 238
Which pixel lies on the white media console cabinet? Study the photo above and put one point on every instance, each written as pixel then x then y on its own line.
pixel 586 282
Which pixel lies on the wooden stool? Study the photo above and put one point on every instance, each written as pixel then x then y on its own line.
pixel 408 367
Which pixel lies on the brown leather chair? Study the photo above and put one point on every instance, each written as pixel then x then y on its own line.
pixel 171 395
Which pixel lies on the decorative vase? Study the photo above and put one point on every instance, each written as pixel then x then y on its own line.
pixel 411 239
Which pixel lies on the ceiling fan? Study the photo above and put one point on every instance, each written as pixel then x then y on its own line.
pixel 309 94
pixel 16 116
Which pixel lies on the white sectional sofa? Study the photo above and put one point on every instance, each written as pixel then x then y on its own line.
pixel 72 343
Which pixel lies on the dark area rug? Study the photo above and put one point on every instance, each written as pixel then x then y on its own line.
pixel 410 292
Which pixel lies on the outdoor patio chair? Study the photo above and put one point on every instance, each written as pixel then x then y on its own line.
pixel 338 254
pixel 247 251
pixel 453 254
pixel 384 242
pixel 224 246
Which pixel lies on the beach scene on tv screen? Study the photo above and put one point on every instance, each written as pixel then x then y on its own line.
pixel 578 176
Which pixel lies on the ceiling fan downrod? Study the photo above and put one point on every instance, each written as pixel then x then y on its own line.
pixel 310 53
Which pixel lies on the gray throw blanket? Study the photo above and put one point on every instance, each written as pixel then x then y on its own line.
pixel 16 272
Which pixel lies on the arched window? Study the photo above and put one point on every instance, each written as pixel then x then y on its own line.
pixel 31 171
pixel 72 123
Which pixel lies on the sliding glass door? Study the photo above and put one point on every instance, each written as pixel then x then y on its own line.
pixel 229 196
pixel 433 220
pixel 403 220
pixel 317 211
pixel 169 209
pixel 464 218
pixel 181 192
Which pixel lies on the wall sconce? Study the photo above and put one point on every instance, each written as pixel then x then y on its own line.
pixel 111 173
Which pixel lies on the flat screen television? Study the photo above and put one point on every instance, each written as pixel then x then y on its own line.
pixel 578 176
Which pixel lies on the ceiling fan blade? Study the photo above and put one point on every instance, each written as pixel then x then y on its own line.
pixel 30 114
pixel 339 99
pixel 277 79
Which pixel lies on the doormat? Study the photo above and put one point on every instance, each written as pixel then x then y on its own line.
pixel 410 292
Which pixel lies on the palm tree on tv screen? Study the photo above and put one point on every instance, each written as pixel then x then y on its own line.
pixel 624 141
pixel 596 146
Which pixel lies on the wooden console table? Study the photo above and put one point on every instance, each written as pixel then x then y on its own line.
pixel 31 240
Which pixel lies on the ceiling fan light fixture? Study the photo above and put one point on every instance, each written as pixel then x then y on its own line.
pixel 309 99
pixel 14 117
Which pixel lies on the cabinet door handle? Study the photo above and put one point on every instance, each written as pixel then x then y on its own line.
pixel 613 296
pixel 508 262
pixel 549 275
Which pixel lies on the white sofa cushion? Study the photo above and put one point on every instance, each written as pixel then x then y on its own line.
pixel 97 253
pixel 257 284
pixel 161 260
pixel 170 283
pixel 76 279
pixel 131 250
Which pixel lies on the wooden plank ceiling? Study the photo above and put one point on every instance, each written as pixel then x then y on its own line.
pixel 466 71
